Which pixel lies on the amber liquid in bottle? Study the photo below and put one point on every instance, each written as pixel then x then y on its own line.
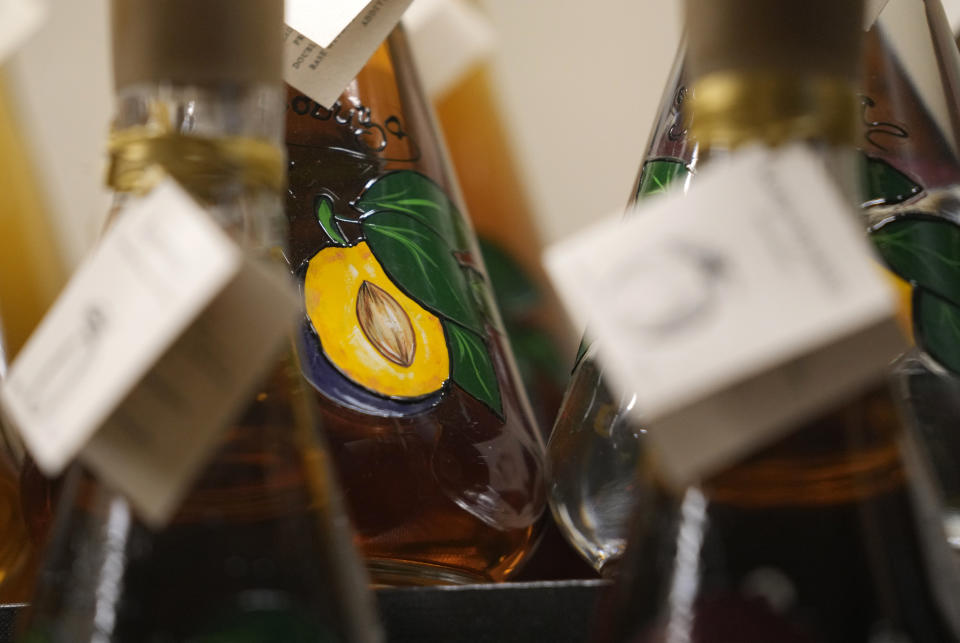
pixel 440 487
pixel 249 556
pixel 17 556
pixel 812 540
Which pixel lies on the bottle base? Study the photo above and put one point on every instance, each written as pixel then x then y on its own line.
pixel 399 573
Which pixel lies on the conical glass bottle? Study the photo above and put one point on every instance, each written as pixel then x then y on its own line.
pixel 596 444
pixel 257 551
pixel 911 154
pixel 825 535
pixel 31 274
pixel 431 432
pixel 460 81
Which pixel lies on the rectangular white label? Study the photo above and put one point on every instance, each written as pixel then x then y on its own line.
pixel 18 19
pixel 323 21
pixel 322 73
pixel 736 310
pixel 153 343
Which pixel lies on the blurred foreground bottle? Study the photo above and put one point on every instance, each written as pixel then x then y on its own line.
pixel 596 444
pixel 432 435
pixel 258 551
pixel 911 170
pixel 31 275
pixel 454 45
pixel 911 153
pixel 825 536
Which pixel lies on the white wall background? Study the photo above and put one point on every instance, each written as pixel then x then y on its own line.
pixel 580 82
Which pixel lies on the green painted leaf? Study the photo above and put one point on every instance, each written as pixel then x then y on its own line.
pixel 329 224
pixel 582 350
pixel 517 294
pixel 883 184
pixel 416 196
pixel 658 174
pixel 422 264
pixel 471 366
pixel 937 326
pixel 924 251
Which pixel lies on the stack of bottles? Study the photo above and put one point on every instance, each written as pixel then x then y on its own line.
pixel 393 441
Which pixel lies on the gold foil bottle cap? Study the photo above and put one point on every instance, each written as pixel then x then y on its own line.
pixel 811 37
pixel 773 70
pixel 197 42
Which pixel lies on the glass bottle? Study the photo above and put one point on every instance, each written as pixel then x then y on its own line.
pixel 910 142
pixel 596 444
pixel 258 550
pixel 475 131
pixel 431 432
pixel 31 274
pixel 825 535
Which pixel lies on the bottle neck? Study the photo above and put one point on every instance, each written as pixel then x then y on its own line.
pixel 733 109
pixel 736 108
pixel 222 144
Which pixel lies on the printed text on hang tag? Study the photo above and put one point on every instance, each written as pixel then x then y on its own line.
pixel 734 311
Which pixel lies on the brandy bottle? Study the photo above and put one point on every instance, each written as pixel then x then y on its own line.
pixel 258 551
pixel 824 535
pixel 430 429
pixel 596 442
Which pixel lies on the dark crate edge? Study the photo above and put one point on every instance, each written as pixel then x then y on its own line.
pixel 555 611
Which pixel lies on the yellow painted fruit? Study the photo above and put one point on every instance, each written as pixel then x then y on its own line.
pixel 372 332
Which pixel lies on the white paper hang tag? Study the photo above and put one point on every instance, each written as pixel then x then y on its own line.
pixel 449 38
pixel 323 21
pixel 872 12
pixel 152 347
pixel 735 311
pixel 322 73
pixel 18 20
pixel 160 437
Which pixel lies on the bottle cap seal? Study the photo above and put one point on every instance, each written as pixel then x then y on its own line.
pixel 202 42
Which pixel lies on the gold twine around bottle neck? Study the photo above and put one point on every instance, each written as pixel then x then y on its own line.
pixel 142 157
pixel 730 109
